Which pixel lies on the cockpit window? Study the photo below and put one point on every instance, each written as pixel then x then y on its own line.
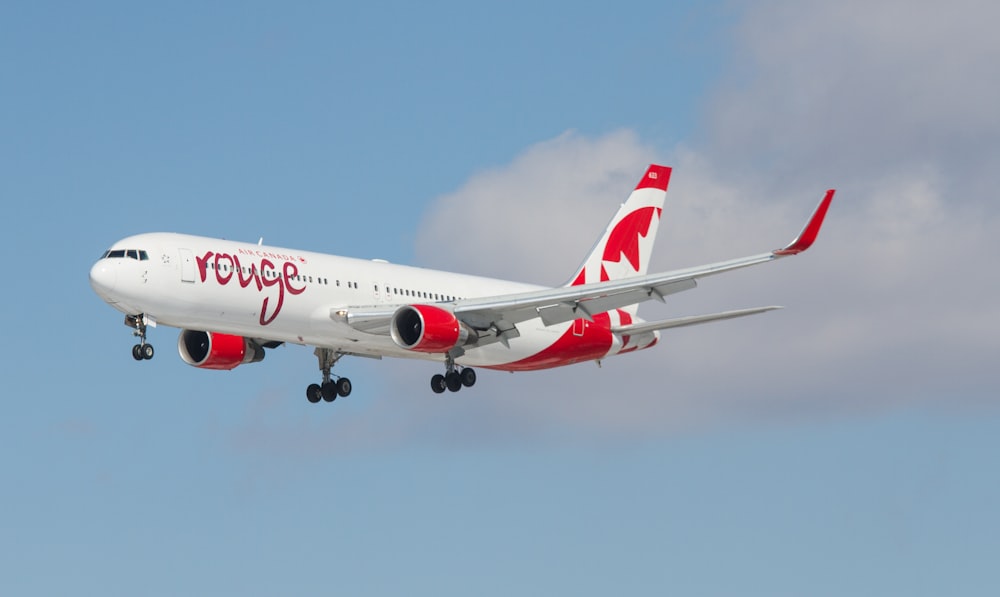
pixel 123 253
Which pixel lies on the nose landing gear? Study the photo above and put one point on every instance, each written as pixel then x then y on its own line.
pixel 141 351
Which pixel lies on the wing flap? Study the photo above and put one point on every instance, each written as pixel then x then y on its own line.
pixel 371 321
pixel 592 298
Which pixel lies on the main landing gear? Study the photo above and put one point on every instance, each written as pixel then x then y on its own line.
pixel 330 389
pixel 141 351
pixel 454 379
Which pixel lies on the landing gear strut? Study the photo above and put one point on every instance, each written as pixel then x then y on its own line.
pixel 141 351
pixel 454 378
pixel 331 388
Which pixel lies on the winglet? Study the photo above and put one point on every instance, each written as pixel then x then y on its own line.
pixel 808 235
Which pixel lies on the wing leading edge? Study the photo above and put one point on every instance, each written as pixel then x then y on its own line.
pixel 499 315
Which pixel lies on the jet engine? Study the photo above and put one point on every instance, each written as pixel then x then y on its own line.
pixel 426 328
pixel 211 350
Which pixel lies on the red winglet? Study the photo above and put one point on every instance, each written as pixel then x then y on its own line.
pixel 808 235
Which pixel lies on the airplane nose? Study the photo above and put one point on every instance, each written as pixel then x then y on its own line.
pixel 103 277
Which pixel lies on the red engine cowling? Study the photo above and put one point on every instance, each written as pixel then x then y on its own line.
pixel 211 350
pixel 426 328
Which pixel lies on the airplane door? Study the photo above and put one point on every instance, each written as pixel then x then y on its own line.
pixel 382 294
pixel 187 265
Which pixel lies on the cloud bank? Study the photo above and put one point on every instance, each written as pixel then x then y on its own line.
pixel 892 103
pixel 895 305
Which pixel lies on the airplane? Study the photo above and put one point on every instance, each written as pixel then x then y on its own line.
pixel 233 301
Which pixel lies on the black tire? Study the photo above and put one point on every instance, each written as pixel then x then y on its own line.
pixel 468 377
pixel 314 393
pixel 137 352
pixel 453 381
pixel 147 351
pixel 329 391
pixel 344 387
pixel 438 384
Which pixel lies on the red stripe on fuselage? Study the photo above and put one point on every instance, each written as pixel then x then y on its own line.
pixel 593 344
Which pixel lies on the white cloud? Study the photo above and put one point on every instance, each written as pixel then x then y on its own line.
pixel 894 103
pixel 860 87
pixel 536 217
pixel 896 304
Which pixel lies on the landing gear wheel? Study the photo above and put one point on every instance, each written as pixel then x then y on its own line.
pixel 314 393
pixel 453 381
pixel 141 351
pixel 468 377
pixel 438 384
pixel 331 389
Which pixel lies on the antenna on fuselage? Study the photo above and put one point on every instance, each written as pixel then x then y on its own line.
pixel 261 241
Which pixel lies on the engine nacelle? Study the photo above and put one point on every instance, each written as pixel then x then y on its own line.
pixel 211 350
pixel 426 328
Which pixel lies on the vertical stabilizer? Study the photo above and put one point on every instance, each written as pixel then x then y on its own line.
pixel 627 244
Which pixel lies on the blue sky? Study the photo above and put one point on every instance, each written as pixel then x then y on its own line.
pixel 844 445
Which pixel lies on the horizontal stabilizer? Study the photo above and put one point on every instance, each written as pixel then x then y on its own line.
pixel 652 326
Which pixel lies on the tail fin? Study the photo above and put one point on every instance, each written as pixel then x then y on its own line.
pixel 627 243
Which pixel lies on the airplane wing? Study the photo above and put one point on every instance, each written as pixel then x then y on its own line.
pixel 558 305
pixel 499 315
pixel 652 326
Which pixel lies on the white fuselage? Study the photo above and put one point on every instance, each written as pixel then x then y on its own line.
pixel 294 296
